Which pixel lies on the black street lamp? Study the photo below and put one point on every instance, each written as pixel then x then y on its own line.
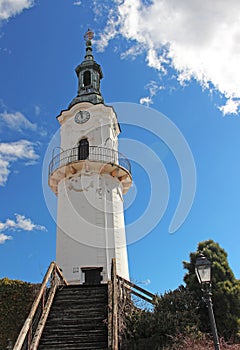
pixel 203 272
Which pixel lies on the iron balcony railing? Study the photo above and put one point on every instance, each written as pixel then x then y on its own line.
pixel 91 153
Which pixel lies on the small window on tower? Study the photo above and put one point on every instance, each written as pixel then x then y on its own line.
pixel 87 78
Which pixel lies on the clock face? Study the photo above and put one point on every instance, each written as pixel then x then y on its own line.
pixel 82 117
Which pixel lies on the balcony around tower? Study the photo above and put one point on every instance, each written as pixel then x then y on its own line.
pixel 99 159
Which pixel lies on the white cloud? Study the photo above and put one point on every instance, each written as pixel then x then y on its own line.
pixel 110 31
pixel 146 101
pixel 16 121
pixel 231 107
pixel 199 39
pixel 22 149
pixel 146 282
pixel 9 8
pixel 4 238
pixel 11 152
pixel 26 224
pixel 132 52
pixel 153 88
pixel 20 223
pixel 37 110
pixel 4 170
pixel 77 3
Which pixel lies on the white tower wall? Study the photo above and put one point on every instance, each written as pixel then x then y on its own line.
pixel 90 177
pixel 90 222
pixel 90 228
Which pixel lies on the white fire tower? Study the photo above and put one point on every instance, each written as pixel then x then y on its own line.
pixel 89 177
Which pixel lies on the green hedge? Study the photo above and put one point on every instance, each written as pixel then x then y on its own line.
pixel 16 298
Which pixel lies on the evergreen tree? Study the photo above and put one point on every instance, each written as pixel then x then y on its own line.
pixel 225 289
pixel 175 313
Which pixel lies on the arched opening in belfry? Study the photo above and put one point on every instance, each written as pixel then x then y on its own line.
pixel 87 78
pixel 83 149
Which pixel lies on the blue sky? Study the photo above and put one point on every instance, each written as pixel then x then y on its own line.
pixel 180 59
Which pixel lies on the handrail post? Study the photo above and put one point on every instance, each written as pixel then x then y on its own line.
pixel 53 276
pixel 43 319
pixel 114 306
pixel 43 299
pixel 59 273
pixel 28 323
pixel 29 339
pixel 134 286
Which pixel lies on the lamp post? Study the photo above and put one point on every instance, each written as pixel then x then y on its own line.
pixel 203 272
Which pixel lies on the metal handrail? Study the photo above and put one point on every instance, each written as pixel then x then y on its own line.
pixel 95 154
pixel 54 274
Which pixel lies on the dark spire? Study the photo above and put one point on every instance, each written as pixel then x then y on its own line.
pixel 88 38
pixel 89 75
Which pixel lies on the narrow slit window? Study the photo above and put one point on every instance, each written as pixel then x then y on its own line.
pixel 87 78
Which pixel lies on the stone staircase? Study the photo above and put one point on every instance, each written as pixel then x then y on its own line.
pixel 77 319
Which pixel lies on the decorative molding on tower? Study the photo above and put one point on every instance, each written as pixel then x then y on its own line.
pixel 89 74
